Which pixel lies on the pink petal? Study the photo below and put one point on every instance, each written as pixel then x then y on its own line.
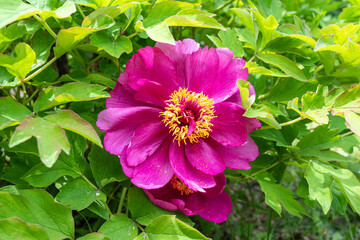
pixel 201 69
pixel 192 204
pixel 159 202
pixel 238 157
pixel 217 208
pixel 218 188
pixel 152 64
pixel 120 124
pixel 204 158
pixel 225 84
pixel 156 171
pixel 177 54
pixel 151 92
pixel 120 118
pixel 128 170
pixel 147 138
pixel 190 176
pixel 228 129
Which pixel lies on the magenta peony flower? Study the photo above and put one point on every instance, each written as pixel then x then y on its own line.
pixel 213 205
pixel 176 111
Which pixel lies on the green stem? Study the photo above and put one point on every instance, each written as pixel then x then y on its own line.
pixel 271 166
pixel 47 27
pixel 39 70
pixel 123 194
pixel 94 60
pixel 285 123
pixel 80 10
pixel 8 94
pixel 222 6
pixel 107 208
pixel 139 226
pixel 87 222
pixel 32 96
pixel 133 35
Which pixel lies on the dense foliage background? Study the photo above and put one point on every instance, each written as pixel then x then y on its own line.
pixel 59 59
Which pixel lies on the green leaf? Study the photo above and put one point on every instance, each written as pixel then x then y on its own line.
pixel 273 135
pixel 11 112
pixel 319 139
pixel 114 47
pixel 277 195
pixel 347 105
pixel 267 26
pixel 320 178
pixel 230 40
pixel 287 89
pixel 51 138
pixel 20 63
pixel 71 92
pixel 119 227
pixel 36 206
pixel 144 211
pixel 89 78
pixel 15 229
pixel 174 13
pixel 51 8
pixel 168 227
pixel 42 176
pixel 282 44
pixel 7 79
pixel 98 207
pixel 285 64
pixel 14 10
pixel 264 115
pixel 94 236
pixel 41 44
pixel 106 168
pixel 68 38
pixel 69 120
pixel 79 194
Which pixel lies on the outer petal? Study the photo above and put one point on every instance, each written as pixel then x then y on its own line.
pixel 159 202
pixel 228 128
pixel 154 66
pixel 177 54
pixel 122 96
pixel 147 138
pixel 189 175
pixel 191 205
pixel 218 188
pixel 120 124
pixel 201 69
pixel 238 157
pixel 217 208
pixel 115 118
pixel 204 158
pixel 225 84
pixel 128 170
pixel 156 171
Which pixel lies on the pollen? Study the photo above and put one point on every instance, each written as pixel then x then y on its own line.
pixel 179 185
pixel 188 115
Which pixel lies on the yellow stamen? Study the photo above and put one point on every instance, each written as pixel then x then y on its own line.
pixel 179 185
pixel 173 114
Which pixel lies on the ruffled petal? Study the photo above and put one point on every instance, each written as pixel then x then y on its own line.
pixel 228 129
pixel 238 157
pixel 150 92
pixel 201 69
pixel 177 54
pixel 190 176
pixel 152 64
pixel 218 188
pixel 204 158
pixel 147 138
pixel 217 208
pixel 156 171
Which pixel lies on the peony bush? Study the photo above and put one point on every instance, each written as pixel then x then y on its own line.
pixel 187 119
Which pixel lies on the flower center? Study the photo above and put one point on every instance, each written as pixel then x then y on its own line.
pixel 188 115
pixel 179 185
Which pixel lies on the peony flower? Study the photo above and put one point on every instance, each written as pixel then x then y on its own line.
pixel 176 111
pixel 214 205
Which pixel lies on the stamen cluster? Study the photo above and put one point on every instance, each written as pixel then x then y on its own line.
pixel 188 115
